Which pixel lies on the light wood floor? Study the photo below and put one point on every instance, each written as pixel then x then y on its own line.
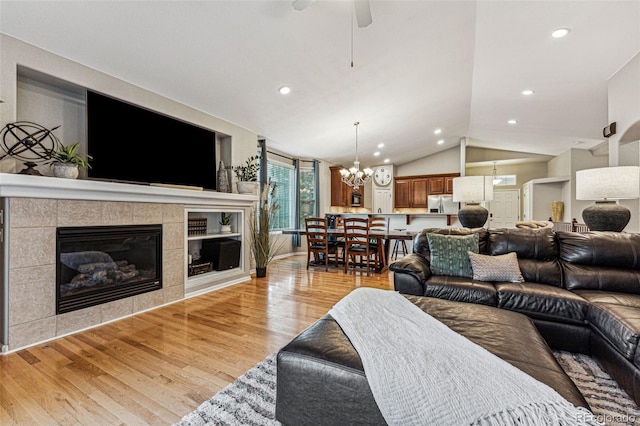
pixel 160 365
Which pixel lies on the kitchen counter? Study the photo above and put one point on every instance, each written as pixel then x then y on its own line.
pixel 450 218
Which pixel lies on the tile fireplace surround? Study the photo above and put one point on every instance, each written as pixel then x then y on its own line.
pixel 34 206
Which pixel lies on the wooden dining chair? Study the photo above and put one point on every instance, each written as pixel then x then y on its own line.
pixel 339 238
pixel 378 223
pixel 318 242
pixel 357 244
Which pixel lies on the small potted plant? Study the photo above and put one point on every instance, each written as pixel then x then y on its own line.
pixel 225 223
pixel 65 161
pixel 247 174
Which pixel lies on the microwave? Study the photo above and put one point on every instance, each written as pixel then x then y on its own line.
pixel 356 199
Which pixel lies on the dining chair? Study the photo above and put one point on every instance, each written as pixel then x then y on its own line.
pixel 339 238
pixel 357 244
pixel 378 223
pixel 318 242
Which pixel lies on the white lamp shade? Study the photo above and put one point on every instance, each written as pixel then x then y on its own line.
pixel 473 188
pixel 617 183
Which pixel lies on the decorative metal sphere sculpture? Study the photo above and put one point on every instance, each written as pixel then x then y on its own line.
pixel 29 142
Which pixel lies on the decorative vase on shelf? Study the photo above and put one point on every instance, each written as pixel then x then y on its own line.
pixel 225 229
pixel 557 211
pixel 65 170
pixel 247 187
pixel 223 178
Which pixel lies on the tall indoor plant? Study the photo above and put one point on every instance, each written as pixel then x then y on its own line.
pixel 247 174
pixel 264 246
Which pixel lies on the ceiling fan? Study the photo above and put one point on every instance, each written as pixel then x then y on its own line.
pixel 361 8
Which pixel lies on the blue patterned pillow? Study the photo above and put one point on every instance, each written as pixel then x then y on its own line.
pixel 450 254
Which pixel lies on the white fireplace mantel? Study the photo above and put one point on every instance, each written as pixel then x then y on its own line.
pixel 16 185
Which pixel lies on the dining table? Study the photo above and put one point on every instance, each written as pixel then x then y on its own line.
pixel 384 238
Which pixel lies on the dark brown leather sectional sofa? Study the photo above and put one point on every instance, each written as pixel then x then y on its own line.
pixel 582 290
pixel 321 379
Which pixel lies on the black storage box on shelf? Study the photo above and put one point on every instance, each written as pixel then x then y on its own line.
pixel 224 253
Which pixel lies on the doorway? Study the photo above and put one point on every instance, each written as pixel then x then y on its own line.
pixel 504 209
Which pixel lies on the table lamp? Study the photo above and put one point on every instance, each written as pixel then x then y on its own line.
pixel 604 185
pixel 472 190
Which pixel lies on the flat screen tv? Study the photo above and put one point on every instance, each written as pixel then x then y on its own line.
pixel 129 143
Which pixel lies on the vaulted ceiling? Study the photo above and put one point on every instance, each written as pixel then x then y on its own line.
pixel 460 66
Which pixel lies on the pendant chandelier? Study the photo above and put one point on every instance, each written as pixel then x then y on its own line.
pixel 496 179
pixel 355 177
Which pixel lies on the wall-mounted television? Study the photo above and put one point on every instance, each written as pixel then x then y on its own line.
pixel 130 143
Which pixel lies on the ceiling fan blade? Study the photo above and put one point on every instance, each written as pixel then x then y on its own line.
pixel 363 12
pixel 301 4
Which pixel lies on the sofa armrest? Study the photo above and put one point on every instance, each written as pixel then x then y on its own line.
pixel 412 264
pixel 410 274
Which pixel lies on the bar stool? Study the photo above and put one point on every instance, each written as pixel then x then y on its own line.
pixel 399 246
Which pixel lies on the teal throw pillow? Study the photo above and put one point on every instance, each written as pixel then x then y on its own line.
pixel 450 254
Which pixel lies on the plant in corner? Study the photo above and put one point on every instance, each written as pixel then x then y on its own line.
pixel 66 160
pixel 264 246
pixel 247 172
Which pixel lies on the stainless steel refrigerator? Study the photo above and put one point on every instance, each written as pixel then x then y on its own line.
pixel 442 204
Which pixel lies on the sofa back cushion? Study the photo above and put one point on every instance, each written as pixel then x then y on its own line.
pixel 537 252
pixel 600 261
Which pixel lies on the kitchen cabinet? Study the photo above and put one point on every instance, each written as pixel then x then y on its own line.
pixel 448 184
pixel 440 185
pixel 341 193
pixel 411 192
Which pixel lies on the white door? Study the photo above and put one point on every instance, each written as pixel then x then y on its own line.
pixel 382 201
pixel 504 209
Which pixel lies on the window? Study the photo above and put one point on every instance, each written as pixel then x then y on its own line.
pixel 504 180
pixel 307 193
pixel 283 175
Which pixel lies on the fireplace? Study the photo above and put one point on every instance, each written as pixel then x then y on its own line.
pixel 100 264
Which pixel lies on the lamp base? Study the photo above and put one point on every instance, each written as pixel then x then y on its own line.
pixel 606 216
pixel 473 216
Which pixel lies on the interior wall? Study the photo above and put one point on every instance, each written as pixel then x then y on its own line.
pixel 582 159
pixel 624 110
pixel 442 162
pixel 478 155
pixel 524 172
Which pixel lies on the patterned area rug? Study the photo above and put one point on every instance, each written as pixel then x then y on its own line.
pixel 251 399
pixel 610 404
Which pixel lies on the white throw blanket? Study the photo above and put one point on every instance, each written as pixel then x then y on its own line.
pixel 422 373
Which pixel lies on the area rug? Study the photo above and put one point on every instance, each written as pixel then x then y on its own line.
pixel 251 399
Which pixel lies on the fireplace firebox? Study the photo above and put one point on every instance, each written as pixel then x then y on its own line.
pixel 100 264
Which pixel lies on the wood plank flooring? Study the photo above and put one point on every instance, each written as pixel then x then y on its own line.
pixel 157 366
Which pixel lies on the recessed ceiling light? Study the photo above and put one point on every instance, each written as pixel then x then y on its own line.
pixel 560 32
pixel 437 131
pixel 512 121
pixel 386 160
pixel 284 90
pixel 441 141
pixel 527 92
pixel 377 153
pixel 380 145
